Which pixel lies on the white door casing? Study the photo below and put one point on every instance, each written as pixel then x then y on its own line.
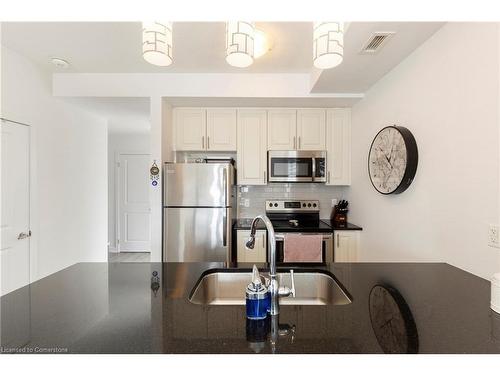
pixel 134 209
pixel 15 206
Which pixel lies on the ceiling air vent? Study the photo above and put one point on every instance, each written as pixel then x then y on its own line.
pixel 376 42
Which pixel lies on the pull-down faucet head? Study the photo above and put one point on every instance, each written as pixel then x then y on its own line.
pixel 251 241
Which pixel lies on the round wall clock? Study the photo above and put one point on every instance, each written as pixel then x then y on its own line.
pixel 392 321
pixel 393 159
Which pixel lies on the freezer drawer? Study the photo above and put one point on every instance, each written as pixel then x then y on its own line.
pixel 197 234
pixel 198 184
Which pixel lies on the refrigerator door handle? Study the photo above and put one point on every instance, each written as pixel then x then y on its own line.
pixel 224 185
pixel 224 230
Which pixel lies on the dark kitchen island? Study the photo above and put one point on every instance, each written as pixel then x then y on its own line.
pixel 144 308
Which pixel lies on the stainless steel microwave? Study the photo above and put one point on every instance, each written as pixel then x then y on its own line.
pixel 297 166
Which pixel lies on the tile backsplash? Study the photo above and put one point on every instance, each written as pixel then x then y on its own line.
pixel 257 196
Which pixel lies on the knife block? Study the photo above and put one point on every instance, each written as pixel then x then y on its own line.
pixel 339 217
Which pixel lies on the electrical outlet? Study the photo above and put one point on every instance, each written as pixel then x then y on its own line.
pixel 493 236
pixel 247 202
pixel 334 202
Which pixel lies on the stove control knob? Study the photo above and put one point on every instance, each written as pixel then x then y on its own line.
pixel 309 205
pixel 270 204
pixel 314 204
pixel 276 205
pixel 303 204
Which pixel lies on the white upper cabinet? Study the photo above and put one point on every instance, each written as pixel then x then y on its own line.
pixel 190 129
pixel 221 129
pixel 311 129
pixel 302 129
pixel 199 129
pixel 338 134
pixel 252 147
pixel 281 129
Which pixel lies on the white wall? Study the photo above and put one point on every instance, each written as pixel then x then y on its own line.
pixel 119 142
pixel 69 169
pixel 446 93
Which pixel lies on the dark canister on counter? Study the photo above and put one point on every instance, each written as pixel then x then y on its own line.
pixel 339 214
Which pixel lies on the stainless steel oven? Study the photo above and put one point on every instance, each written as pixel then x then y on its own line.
pixel 297 166
pixel 327 246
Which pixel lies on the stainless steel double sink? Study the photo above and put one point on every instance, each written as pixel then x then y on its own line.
pixel 227 287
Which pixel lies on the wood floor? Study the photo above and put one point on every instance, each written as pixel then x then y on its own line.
pixel 129 257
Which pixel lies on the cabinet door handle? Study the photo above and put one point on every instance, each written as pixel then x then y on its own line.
pixel 263 241
pixel 328 176
pixel 299 143
pixel 338 240
pixel 294 143
pixel 265 179
pixel 208 142
pixel 203 142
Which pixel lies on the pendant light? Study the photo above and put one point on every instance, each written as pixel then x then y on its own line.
pixel 328 44
pixel 240 43
pixel 157 43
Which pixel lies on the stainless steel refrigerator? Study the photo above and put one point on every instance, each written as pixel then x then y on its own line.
pixel 197 212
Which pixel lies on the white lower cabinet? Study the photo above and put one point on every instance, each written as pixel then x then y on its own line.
pixel 255 255
pixel 346 245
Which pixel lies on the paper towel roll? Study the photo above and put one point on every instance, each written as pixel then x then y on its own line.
pixel 495 293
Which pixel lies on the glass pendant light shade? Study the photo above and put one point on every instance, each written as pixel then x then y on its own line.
pixel 240 43
pixel 157 43
pixel 328 44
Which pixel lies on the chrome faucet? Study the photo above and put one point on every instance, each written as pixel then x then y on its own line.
pixel 275 290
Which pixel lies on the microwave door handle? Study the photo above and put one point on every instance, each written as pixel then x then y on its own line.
pixel 313 169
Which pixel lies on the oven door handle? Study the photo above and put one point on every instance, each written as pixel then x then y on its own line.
pixel 281 237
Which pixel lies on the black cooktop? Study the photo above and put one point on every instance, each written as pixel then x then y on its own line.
pixel 301 226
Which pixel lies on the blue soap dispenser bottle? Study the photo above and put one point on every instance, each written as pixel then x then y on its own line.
pixel 257 297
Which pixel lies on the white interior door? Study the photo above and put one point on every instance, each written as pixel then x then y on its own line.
pixel 134 207
pixel 15 219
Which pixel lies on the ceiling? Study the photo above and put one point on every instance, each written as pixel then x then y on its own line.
pixel 198 47
pixel 116 47
pixel 358 72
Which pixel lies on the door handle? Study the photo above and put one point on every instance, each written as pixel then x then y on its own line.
pixel 24 235
pixel 294 143
pixel 224 230
pixel 208 142
pixel 203 142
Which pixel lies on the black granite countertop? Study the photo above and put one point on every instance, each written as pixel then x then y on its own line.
pixel 245 223
pixel 120 308
pixel 348 226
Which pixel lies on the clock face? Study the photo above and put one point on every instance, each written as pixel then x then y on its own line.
pixel 388 160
